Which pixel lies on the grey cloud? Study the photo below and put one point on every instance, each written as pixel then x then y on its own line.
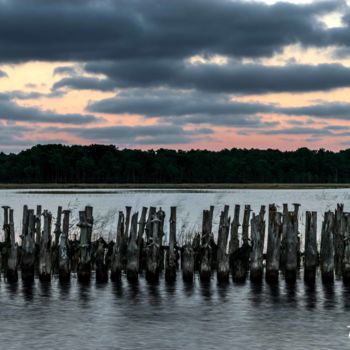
pixel 84 83
pixel 114 29
pixel 233 77
pixel 11 111
pixel 63 70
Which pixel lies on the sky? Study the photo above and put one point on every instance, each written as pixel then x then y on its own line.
pixel 179 74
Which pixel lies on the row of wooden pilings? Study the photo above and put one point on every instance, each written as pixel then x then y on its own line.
pixel 138 246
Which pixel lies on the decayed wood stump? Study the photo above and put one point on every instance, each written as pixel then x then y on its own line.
pixel 310 251
pixel 116 263
pixel 273 244
pixel 257 224
pixel 170 267
pixel 346 255
pixel 205 251
pixel 223 268
pixel 338 239
pixel 11 274
pixel 327 248
pixel 28 246
pixel 132 269
pixel 45 262
pixel 63 250
pixel 152 252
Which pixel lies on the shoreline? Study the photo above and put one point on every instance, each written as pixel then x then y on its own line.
pixel 210 186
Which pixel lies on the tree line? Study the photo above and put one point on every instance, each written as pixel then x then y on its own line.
pixel 108 164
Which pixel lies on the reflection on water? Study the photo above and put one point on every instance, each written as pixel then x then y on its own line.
pixel 174 316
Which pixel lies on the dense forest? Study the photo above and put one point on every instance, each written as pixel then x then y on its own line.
pixel 108 164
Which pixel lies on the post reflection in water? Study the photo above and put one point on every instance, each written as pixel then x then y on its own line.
pixel 134 315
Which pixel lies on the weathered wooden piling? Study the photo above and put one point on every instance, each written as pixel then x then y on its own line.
pixel 116 261
pixel 327 248
pixel 55 245
pixel 11 273
pixel 45 263
pixel 205 267
pixel 291 246
pixel 223 268
pixel 273 245
pixel 140 239
pixel 346 255
pixel 187 262
pixel 85 224
pixel 257 225
pixel 6 246
pixel 170 265
pixel 152 252
pixel 338 240
pixel 239 260
pixel 100 263
pixel 127 222
pixel 132 269
pixel 63 251
pixel 28 246
pixel 310 250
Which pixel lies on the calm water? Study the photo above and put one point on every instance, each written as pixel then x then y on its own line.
pixel 124 316
pixel 110 316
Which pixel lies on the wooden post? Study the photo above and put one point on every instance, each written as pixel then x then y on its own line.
pixel 346 255
pixel 245 226
pixel 161 217
pixel 205 267
pixel 132 269
pixel 273 244
pixel 37 236
pixel 116 263
pixel 291 243
pixel 84 265
pixel 223 268
pixel 45 263
pixel 140 240
pixel 101 267
pixel 28 246
pixel 170 267
pixel 257 239
pixel 327 248
pixel 6 246
pixel 310 251
pixel 283 248
pixel 187 263
pixel 234 241
pixel 63 253
pixel 148 229
pixel 127 222
pixel 339 240
pixel 152 265
pixel 55 247
pixel 11 274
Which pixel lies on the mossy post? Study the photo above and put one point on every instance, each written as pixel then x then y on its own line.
pixel 11 274
pixel 339 228
pixel 28 246
pixel 116 261
pixel 310 250
pixel 85 224
pixel 257 224
pixel 205 254
pixel 45 262
pixel 170 265
pixel 223 267
pixel 327 247
pixel 63 250
pixel 346 255
pixel 132 268
pixel 273 245
pixel 152 252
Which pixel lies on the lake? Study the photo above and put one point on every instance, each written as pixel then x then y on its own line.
pixel 177 316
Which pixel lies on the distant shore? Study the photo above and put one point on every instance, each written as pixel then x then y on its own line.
pixel 209 186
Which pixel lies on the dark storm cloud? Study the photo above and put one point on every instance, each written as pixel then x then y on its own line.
pixel 11 111
pixel 84 83
pixel 115 29
pixel 141 135
pixel 324 111
pixel 65 70
pixel 233 77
